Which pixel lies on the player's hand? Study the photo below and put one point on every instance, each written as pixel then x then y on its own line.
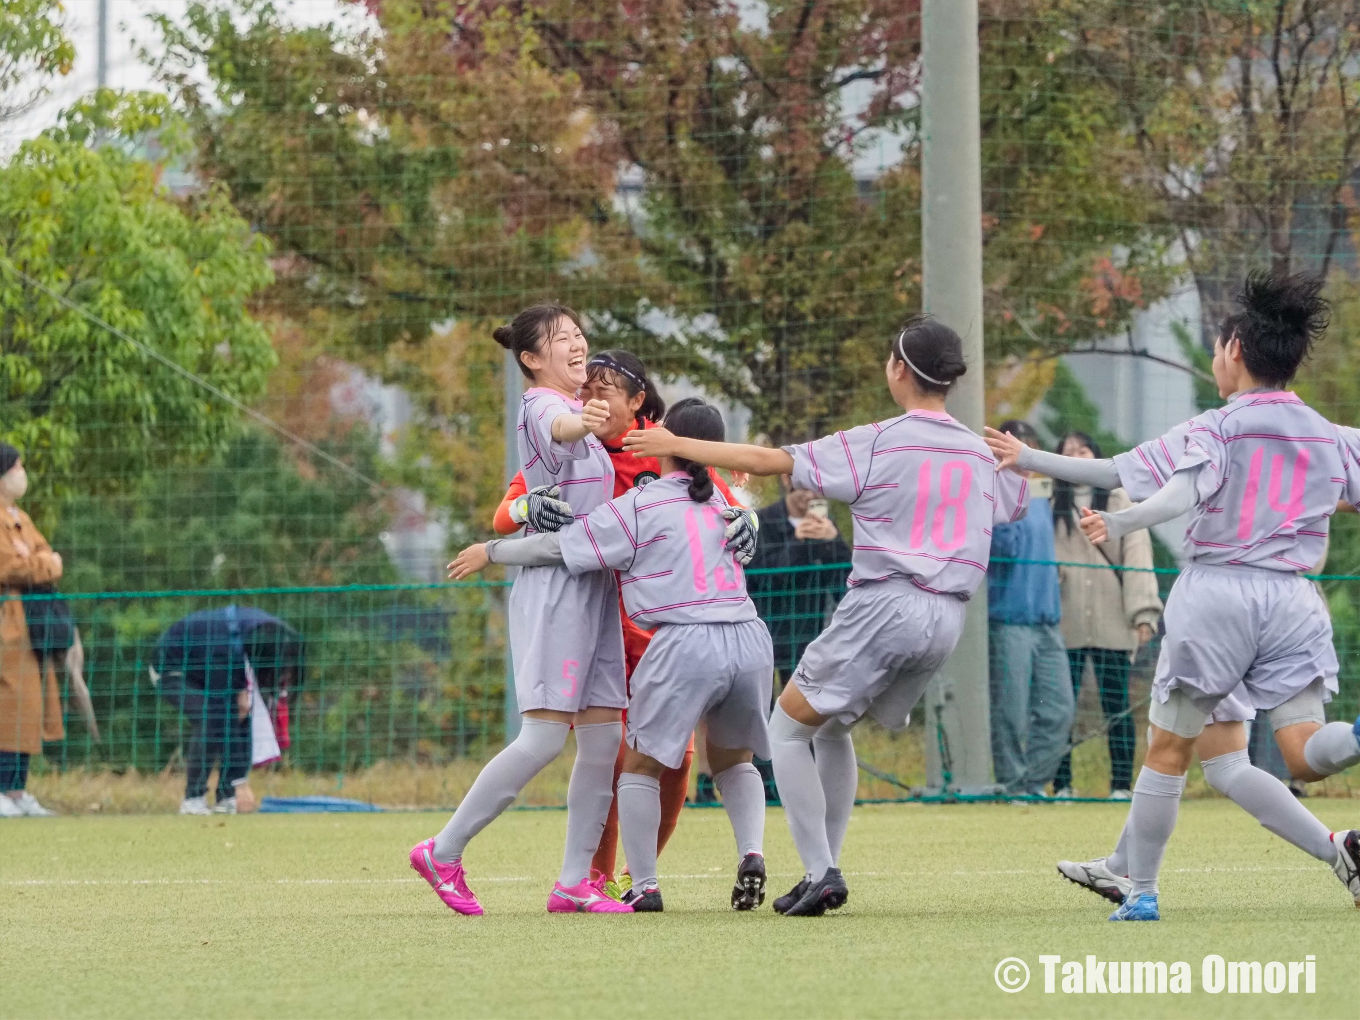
pixel 595 415
pixel 740 533
pixel 1005 447
pixel 657 442
pixel 1144 633
pixel 468 562
pixel 542 509
pixel 1093 525
pixel 739 478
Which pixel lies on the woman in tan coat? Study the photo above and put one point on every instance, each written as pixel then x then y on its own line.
pixel 1106 613
pixel 30 702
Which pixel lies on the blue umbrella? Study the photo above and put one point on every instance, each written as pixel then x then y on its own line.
pixel 205 652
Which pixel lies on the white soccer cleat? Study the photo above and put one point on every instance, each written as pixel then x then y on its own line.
pixel 1094 875
pixel 194 806
pixel 29 807
pixel 1347 866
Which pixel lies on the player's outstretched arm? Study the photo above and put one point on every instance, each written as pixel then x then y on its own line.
pixel 1177 496
pixel 568 428
pixel 754 460
pixel 1011 453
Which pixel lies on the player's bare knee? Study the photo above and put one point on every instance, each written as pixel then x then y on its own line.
pixel 720 759
pixel 1169 753
pixel 640 764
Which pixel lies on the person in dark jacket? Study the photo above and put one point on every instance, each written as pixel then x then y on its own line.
pixel 796 532
pixel 1031 690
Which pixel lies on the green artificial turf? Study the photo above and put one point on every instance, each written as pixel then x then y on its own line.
pixel 320 916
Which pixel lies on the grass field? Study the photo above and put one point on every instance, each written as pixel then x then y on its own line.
pixel 319 916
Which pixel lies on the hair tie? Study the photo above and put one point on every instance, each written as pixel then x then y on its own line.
pixel 902 353
pixel 605 361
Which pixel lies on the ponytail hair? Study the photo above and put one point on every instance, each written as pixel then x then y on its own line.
pixel 696 418
pixel 626 370
pixel 527 330
pixel 932 351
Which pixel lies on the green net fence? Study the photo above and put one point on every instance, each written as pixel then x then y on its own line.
pixel 247 292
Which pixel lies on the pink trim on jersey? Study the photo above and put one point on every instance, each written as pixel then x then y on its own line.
pixel 1290 439
pixel 854 475
pixel 682 605
pixel 1282 397
pixel 816 470
pixel 1150 466
pixel 871 520
pixel 664 502
pixel 986 458
pixel 881 485
pixel 1296 566
pixel 644 577
pixel 934 415
pixel 626 530
pixel 594 545
pixel 580 481
pixel 923 555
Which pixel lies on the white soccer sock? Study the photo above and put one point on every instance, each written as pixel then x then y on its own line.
pixel 839 773
pixel 1332 749
pixel 499 783
pixel 800 790
pixel 589 795
pixel 1269 801
pixel 1118 861
pixel 639 823
pixel 1152 818
pixel 743 798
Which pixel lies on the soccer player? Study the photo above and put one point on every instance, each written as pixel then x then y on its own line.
pixel 565 637
pixel 709 658
pixel 1245 631
pixel 924 492
pixel 620 379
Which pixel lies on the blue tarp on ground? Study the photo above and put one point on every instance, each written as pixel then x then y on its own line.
pixel 311 805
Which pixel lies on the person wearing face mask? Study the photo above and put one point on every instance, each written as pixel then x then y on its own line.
pixel 30 701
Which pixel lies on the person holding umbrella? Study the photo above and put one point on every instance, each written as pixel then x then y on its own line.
pixel 217 666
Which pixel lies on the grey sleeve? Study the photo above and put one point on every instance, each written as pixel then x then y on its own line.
pixel 1176 497
pixel 541 550
pixel 1100 474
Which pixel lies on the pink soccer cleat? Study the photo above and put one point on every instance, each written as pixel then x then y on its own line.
pixel 587 897
pixel 449 881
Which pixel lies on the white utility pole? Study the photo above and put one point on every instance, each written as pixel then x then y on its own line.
pixel 951 213
pixel 101 74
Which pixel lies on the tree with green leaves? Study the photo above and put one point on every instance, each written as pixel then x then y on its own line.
pixel 33 47
pixel 684 174
pixel 89 235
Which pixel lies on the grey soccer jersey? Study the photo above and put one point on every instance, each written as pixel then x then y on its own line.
pixel 670 551
pixel 566 641
pixel 582 469
pixel 1271 472
pixel 924 492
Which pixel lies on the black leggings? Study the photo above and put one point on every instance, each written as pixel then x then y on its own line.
pixel 1111 667
pixel 13 771
pixel 219 738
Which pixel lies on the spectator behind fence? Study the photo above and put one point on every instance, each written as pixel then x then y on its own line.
pixel 796 531
pixel 30 700
pixel 1106 613
pixel 1032 702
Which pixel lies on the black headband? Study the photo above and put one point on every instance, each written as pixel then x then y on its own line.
pixel 606 362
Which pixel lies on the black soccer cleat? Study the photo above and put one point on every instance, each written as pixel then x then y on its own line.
pixel 644 901
pixel 749 892
pixel 782 903
pixel 828 894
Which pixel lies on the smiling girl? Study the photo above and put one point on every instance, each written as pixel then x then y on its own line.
pixel 567 672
